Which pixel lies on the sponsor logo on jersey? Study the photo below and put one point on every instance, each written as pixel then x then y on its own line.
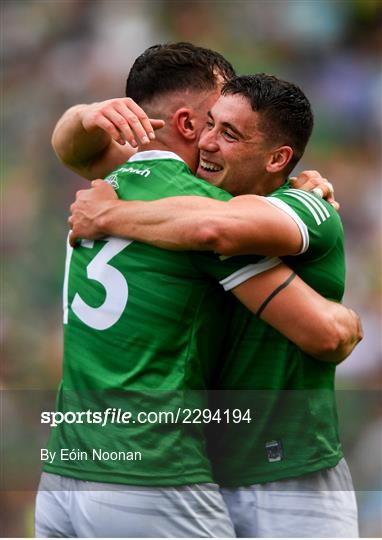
pixel 141 172
pixel 112 180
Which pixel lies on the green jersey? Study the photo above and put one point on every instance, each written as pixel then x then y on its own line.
pixel 142 333
pixel 294 426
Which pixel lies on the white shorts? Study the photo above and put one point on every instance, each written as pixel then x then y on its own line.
pixel 66 507
pixel 320 504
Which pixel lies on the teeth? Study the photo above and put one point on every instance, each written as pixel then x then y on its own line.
pixel 210 166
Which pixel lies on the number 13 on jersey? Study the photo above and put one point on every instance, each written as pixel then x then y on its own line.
pixel 113 281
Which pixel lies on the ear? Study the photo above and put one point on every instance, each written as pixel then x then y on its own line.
pixel 184 121
pixel 279 159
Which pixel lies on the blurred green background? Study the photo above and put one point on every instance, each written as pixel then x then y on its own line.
pixel 59 53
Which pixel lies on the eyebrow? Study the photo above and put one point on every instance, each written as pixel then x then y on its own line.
pixel 228 125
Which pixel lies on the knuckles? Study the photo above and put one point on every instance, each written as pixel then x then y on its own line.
pixel 310 173
pixel 81 193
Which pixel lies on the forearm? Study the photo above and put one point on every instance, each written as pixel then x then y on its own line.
pixel 204 224
pixel 171 223
pixel 323 329
pixel 75 146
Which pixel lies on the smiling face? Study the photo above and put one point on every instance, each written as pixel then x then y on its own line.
pixel 233 150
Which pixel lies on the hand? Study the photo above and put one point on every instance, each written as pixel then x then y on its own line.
pixel 122 119
pixel 311 180
pixel 87 210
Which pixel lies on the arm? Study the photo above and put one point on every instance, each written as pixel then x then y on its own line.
pixel 323 329
pixel 245 224
pixel 95 139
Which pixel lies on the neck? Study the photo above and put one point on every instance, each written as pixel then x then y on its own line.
pixel 184 150
pixel 171 137
pixel 267 184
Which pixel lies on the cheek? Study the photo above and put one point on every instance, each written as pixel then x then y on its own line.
pixel 232 161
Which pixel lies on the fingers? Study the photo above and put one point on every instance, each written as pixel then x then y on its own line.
pixel 123 120
pixel 329 195
pixel 99 119
pixel 73 239
pixel 309 175
pixel 325 191
pixel 99 190
pixel 139 120
pixel 156 123
pixel 84 214
pixel 318 191
pixel 314 182
pixel 98 183
pixel 307 184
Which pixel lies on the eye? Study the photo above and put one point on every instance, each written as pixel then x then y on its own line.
pixel 209 124
pixel 228 135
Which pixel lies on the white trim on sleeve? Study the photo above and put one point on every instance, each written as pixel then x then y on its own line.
pixel 311 202
pixel 296 218
pixel 316 202
pixel 245 273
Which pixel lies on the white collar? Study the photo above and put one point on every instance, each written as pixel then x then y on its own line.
pixel 154 154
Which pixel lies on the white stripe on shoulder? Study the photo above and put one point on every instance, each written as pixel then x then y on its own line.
pixel 296 218
pixel 154 154
pixel 297 196
pixel 316 201
pixel 245 273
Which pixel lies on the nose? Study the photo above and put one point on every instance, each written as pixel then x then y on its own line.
pixel 208 141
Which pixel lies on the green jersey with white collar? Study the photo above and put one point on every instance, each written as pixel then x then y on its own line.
pixel 142 334
pixel 294 426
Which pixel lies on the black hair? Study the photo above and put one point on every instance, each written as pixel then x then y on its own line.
pixel 175 66
pixel 286 116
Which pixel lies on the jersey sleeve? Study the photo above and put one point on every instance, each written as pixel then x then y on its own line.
pixel 232 271
pixel 319 223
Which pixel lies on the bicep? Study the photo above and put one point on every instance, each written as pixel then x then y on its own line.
pixel 319 222
pixel 253 225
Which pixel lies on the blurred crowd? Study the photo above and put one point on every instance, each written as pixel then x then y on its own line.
pixel 59 53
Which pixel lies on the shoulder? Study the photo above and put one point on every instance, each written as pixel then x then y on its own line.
pixel 319 222
pixel 306 204
pixel 173 175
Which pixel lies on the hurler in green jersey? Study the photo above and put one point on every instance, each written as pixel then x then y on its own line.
pixel 143 329
pixel 294 427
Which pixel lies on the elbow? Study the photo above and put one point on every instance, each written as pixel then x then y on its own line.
pixel 331 348
pixel 323 348
pixel 337 341
pixel 57 147
pixel 54 142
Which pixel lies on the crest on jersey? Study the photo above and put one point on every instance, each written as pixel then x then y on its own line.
pixel 274 451
pixel 112 180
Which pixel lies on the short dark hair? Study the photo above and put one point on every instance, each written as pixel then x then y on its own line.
pixel 175 66
pixel 286 114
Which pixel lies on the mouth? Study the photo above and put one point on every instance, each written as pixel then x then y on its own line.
pixel 209 166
